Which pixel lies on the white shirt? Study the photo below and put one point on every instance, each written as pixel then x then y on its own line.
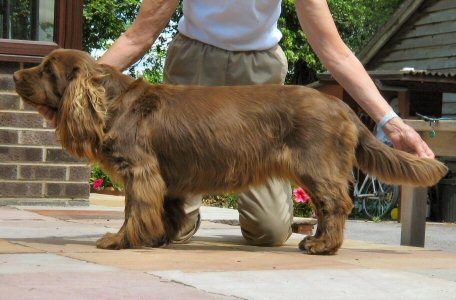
pixel 235 25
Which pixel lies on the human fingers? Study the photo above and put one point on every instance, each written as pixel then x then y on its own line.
pixel 426 151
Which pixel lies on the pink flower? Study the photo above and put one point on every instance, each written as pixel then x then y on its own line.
pixel 301 195
pixel 98 183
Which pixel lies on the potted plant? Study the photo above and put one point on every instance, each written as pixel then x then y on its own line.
pixel 100 182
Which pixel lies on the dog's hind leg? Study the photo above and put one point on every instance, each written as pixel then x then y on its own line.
pixel 333 204
pixel 143 225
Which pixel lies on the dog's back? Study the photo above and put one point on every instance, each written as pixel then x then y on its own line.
pixel 218 138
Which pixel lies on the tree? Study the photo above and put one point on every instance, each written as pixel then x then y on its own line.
pixel 106 20
pixel 356 20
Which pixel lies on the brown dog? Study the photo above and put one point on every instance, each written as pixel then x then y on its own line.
pixel 167 142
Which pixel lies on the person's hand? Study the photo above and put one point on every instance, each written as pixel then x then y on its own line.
pixel 406 138
pixel 49 114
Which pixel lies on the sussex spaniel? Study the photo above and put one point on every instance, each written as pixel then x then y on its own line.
pixel 165 142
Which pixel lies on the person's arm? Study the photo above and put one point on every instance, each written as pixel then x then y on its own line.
pixel 152 17
pixel 316 21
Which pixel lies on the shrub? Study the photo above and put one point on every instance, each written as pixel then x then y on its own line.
pixel 99 180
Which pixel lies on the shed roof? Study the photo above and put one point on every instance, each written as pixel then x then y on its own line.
pixel 421 34
pixel 421 80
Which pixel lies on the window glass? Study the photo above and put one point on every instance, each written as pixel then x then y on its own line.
pixel 27 19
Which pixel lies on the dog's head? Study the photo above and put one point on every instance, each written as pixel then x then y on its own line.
pixel 71 83
pixel 59 73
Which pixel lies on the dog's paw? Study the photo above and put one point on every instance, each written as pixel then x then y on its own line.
pixel 318 246
pixel 156 243
pixel 112 241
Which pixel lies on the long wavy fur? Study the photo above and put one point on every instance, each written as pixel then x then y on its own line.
pixel 394 166
pixel 83 110
pixel 167 142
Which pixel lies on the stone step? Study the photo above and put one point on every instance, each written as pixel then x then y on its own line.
pixel 7 83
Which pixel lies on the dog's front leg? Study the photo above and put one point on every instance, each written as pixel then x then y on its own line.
pixel 143 225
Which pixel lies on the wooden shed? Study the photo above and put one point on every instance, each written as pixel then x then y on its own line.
pixel 412 60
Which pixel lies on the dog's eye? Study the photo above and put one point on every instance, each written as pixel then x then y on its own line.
pixel 47 69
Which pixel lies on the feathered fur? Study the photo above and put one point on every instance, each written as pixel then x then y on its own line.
pixel 167 142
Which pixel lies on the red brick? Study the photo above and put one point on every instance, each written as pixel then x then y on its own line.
pixel 8 136
pixel 9 101
pixel 8 171
pixel 7 82
pixel 27 107
pixel 21 120
pixel 79 173
pixel 59 155
pixel 43 173
pixel 35 137
pixel 67 190
pixel 8 154
pixel 21 189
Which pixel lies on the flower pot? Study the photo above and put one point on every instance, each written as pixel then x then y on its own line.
pixel 108 191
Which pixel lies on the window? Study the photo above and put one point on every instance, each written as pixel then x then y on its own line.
pixel 30 29
pixel 27 19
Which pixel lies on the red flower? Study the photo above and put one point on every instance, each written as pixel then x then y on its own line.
pixel 301 195
pixel 98 183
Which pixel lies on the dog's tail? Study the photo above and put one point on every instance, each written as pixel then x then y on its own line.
pixel 395 166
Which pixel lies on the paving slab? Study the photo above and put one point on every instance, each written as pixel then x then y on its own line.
pixel 50 252
pixel 318 284
pixel 119 284
pixel 10 248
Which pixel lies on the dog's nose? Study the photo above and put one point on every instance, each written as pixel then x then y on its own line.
pixel 16 76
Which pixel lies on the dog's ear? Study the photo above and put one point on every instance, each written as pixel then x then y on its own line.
pixel 112 80
pixel 72 73
pixel 82 114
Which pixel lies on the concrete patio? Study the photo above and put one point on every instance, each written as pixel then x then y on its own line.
pixel 50 252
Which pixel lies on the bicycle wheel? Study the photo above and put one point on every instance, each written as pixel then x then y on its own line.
pixel 380 198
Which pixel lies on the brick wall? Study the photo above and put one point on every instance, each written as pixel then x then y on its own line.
pixel 33 167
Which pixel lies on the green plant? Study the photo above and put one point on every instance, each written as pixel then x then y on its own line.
pixel 357 22
pixel 226 200
pixel 100 180
pixel 376 219
pixel 302 204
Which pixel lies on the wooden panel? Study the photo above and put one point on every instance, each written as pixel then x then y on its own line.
pixel 449 104
pixel 403 99
pixel 430 29
pixel 413 215
pixel 421 53
pixel 443 144
pixel 424 64
pixel 70 27
pixel 426 41
pixel 441 5
pixel 438 16
pixel 26 47
pixel 20 58
pixel 449 108
pixel 444 125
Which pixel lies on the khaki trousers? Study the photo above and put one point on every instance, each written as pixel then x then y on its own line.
pixel 265 213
